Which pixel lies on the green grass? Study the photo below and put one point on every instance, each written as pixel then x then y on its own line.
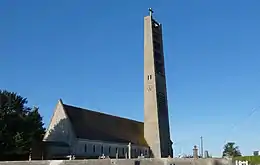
pixel 253 160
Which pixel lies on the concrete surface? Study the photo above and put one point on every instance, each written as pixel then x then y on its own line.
pixel 175 161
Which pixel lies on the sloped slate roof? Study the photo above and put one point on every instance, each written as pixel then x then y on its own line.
pixel 93 125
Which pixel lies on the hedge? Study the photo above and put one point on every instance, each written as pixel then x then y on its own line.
pixel 253 160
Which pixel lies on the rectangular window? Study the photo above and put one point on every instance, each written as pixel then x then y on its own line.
pixel 94 148
pixel 102 149
pixel 149 77
pixel 85 148
pixel 109 149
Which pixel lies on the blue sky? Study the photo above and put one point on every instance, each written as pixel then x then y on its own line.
pixel 90 54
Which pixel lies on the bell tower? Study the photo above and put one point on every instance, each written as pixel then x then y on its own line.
pixel 156 117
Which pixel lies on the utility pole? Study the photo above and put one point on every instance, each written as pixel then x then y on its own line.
pixel 201 146
pixel 173 149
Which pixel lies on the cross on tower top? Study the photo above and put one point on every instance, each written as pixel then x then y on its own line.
pixel 150 11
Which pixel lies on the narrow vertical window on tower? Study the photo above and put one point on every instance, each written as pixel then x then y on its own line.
pixel 149 77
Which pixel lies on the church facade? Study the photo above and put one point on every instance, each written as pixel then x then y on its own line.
pixel 90 134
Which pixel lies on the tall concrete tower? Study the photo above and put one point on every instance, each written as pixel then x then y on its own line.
pixel 156 117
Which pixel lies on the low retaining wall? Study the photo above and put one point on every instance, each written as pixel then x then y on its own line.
pixel 177 161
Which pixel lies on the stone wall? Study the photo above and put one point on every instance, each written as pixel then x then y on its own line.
pixel 176 161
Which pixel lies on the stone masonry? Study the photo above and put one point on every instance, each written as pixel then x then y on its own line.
pixel 164 161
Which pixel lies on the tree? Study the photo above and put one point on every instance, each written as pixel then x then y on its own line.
pixel 231 150
pixel 20 125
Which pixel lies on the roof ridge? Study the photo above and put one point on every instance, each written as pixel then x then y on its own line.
pixel 83 109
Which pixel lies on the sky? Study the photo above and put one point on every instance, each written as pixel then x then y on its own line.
pixel 90 54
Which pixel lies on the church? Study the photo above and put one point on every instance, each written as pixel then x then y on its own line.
pixel 89 134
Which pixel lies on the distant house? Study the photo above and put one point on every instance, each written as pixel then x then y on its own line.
pixel 256 153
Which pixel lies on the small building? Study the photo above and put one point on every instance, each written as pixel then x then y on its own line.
pixel 206 154
pixel 256 153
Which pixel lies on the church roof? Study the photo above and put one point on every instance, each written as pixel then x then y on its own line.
pixel 94 125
